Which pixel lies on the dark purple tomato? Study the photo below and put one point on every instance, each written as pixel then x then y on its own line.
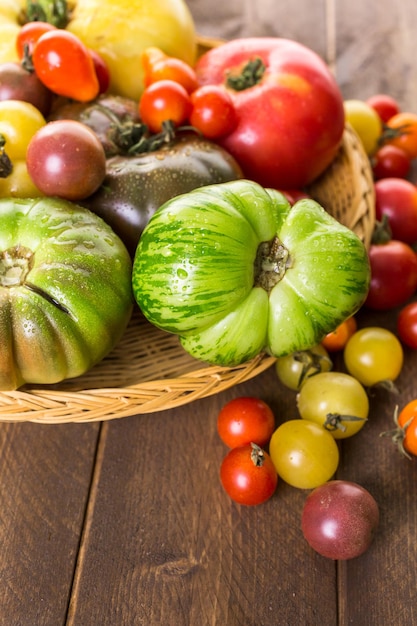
pixel 65 158
pixel 339 519
pixel 17 83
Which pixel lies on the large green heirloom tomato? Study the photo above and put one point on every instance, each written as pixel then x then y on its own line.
pixel 234 270
pixel 65 291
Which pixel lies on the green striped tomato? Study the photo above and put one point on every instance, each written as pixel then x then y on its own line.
pixel 234 270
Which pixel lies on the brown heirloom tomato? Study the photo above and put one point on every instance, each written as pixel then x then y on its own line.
pixel 136 186
pixel 65 291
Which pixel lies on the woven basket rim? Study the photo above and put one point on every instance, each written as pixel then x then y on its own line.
pixel 345 189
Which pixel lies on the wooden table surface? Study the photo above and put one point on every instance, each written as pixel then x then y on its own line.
pixel 124 523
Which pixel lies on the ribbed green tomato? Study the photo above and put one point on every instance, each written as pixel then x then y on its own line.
pixel 233 269
pixel 65 291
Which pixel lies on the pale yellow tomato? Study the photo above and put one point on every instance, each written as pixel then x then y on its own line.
pixel 366 122
pixel 120 32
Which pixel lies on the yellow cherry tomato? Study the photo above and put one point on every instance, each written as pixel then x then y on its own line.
pixel 366 122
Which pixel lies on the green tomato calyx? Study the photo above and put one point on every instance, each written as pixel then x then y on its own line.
pixel 334 421
pixel 272 261
pixel 15 264
pixel 251 75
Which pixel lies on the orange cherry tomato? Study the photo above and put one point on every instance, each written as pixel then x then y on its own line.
pixel 159 66
pixel 29 34
pixel 401 131
pixel 337 339
pixel 404 435
pixel 164 101
pixel 64 64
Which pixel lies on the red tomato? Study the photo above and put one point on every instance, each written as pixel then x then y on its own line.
pixel 397 199
pixel 293 195
pixel 102 71
pixel 384 105
pixel 164 101
pixel 248 475
pixel 393 275
pixel 159 66
pixel 390 161
pixel 407 325
pixel 401 131
pixel 213 112
pixel 279 141
pixel 29 34
pixel 64 64
pixel 245 420
pixel 336 340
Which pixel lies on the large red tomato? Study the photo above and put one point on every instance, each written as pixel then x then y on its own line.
pixel 289 107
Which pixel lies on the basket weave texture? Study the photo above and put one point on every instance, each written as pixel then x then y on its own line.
pixel 149 371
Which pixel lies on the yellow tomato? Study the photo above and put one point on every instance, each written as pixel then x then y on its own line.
pixel 19 121
pixel 366 122
pixel 120 31
pixel 9 27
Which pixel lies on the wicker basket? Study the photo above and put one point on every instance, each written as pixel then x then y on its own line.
pixel 148 370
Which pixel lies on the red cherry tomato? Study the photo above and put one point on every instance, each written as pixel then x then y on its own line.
pixel 213 112
pixel 159 66
pixel 407 325
pixel 64 64
pixel 390 161
pixel 248 475
pixel 102 71
pixel 245 420
pixel 396 198
pixel 164 101
pixel 29 34
pixel 393 275
pixel 384 105
pixel 293 195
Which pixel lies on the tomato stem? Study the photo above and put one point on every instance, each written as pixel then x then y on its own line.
pixel 334 421
pixel 251 74
pixel 54 12
pixel 257 455
pixel 311 362
pixel 15 264
pixel 398 434
pixel 382 232
pixel 6 166
pixel 271 263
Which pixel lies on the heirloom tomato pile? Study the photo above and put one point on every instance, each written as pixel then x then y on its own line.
pixel 135 172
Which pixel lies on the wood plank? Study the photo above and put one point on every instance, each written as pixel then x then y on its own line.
pixel 165 545
pixel 45 475
pixel 375 54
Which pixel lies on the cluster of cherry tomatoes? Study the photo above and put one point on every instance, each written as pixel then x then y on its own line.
pixel 304 451
pixel 389 137
pixel 172 92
